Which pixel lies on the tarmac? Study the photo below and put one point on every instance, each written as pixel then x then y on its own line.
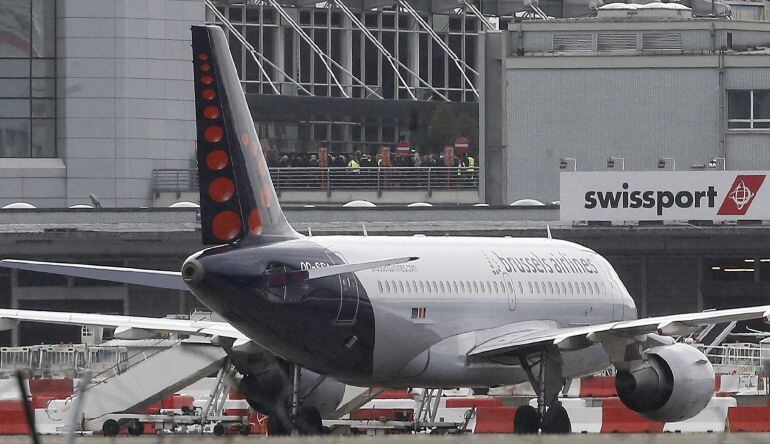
pixel 662 438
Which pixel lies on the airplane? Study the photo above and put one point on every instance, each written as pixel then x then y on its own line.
pixel 387 311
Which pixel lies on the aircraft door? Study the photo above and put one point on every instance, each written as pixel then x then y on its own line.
pixel 349 296
pixel 510 289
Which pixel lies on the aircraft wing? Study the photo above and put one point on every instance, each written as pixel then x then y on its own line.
pixel 575 338
pixel 9 319
pixel 151 278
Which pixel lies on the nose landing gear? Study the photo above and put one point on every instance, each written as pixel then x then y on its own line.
pixel 550 416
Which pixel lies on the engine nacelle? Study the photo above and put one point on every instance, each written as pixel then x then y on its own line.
pixel 675 382
pixel 271 388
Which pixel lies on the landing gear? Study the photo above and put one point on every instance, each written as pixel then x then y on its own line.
pixel 526 421
pixel 556 420
pixel 550 416
pixel 288 416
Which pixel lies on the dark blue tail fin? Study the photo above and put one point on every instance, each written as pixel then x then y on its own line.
pixel 238 201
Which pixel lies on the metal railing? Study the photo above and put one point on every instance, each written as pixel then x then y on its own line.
pixel 340 178
pixel 165 180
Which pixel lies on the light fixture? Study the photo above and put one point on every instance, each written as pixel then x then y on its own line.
pixel 740 270
pixel 665 161
pixel 564 163
pixel 611 162
pixel 717 161
pixel 716 268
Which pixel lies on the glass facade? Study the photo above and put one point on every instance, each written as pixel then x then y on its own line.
pixel 27 78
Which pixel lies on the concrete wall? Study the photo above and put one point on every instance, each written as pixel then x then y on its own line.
pixel 591 114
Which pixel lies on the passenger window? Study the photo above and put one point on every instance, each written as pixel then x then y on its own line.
pixel 441 286
pixel 556 286
pixel 401 286
pixel 530 287
pixel 454 286
pixel 475 287
pixel 379 284
pixel 563 287
pixel 590 288
pixel 427 286
pixel 569 284
pixel 596 287
pixel 462 287
pixel 489 287
pixel 414 286
pixel 521 288
pixel 387 287
pixel 583 287
pixel 435 288
pixel 494 285
pixel 408 288
pixel 393 286
pixel 542 287
pixel 422 287
pixel 604 288
pixel 550 287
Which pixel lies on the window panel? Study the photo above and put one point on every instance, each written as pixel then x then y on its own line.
pixel 739 104
pixel 14 88
pixel 16 28
pixel 762 104
pixel 15 69
pixel 43 108
pixel 43 88
pixel 14 108
pixel 43 28
pixel 43 68
pixel 14 137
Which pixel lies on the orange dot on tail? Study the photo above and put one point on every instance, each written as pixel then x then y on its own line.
pixel 255 222
pixel 221 189
pixel 226 225
pixel 207 80
pixel 203 57
pixel 205 67
pixel 213 134
pixel 211 112
pixel 217 160
pixel 209 94
pixel 262 167
pixel 245 138
pixel 254 147
pixel 265 196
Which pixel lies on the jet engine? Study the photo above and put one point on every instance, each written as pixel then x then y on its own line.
pixel 270 389
pixel 673 383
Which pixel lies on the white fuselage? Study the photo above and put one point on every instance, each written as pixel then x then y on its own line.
pixel 431 312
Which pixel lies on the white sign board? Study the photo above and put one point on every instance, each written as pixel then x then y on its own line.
pixel 664 195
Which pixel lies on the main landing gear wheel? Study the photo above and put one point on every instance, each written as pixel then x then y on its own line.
pixel 308 421
pixel 219 429
pixel 526 421
pixel 556 420
pixel 550 416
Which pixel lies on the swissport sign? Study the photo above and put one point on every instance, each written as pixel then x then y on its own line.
pixel 664 195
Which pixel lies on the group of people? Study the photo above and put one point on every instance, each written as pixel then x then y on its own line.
pixel 358 160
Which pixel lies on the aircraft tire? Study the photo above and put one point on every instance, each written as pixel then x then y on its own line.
pixel 556 420
pixel 276 426
pixel 308 421
pixel 219 429
pixel 526 421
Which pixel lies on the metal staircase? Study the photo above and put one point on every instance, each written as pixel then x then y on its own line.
pixel 146 382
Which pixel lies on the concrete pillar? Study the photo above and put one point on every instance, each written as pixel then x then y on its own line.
pixel 492 116
pixel 346 54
